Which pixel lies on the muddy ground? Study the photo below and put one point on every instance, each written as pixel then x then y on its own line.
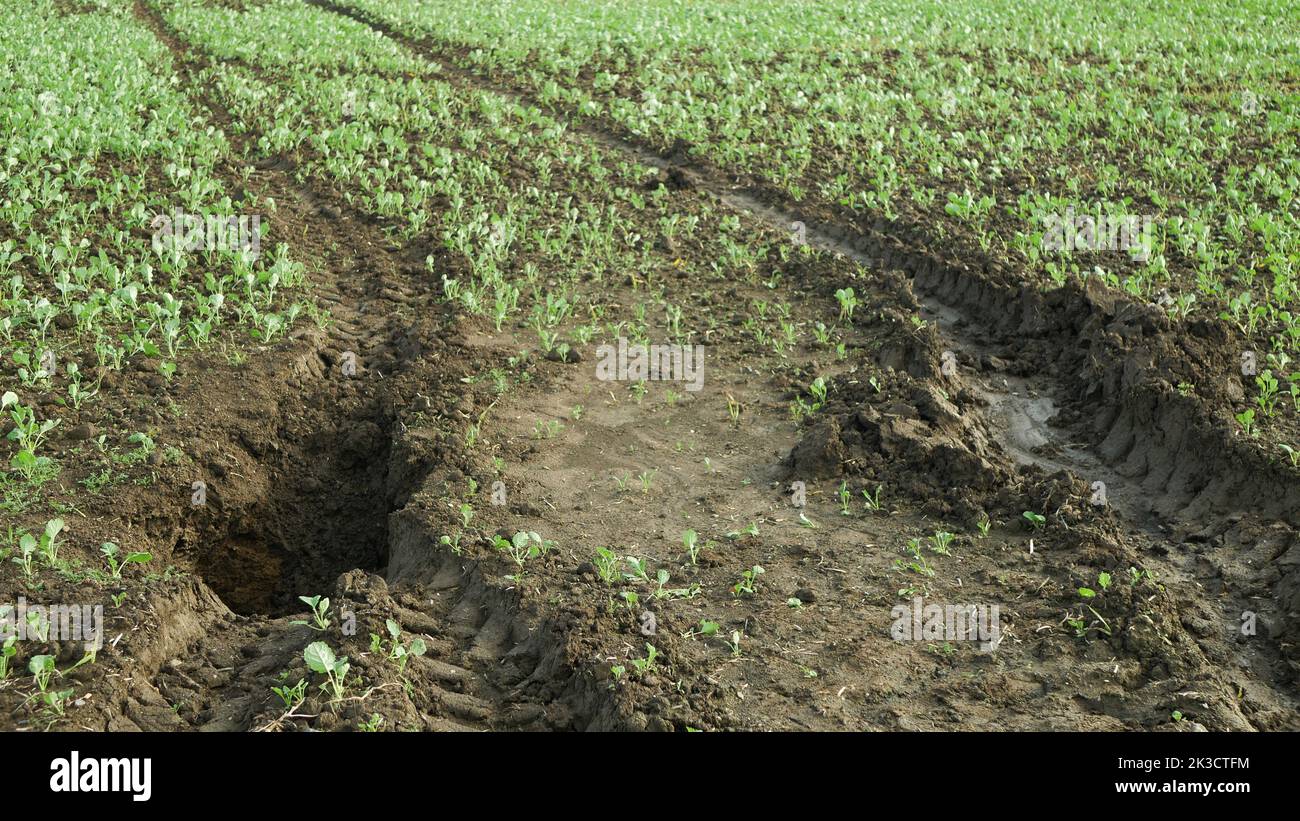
pixel 967 398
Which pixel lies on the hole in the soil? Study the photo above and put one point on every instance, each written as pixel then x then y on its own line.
pixel 323 511
pixel 245 571
pixel 256 573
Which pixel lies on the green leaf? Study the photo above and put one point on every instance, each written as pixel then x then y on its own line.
pixel 319 657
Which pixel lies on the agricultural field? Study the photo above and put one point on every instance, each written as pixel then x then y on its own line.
pixel 680 365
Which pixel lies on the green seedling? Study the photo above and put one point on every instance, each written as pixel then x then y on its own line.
pixel 640 569
pixel 848 301
pixel 30 435
pixel 7 652
pixel 733 410
pixel 748 582
pixel 734 644
pixel 873 502
pixel 38 626
pixel 1035 520
pixel 292 696
pixel 320 659
pixel 399 653
pixel 111 552
pixel 319 608
pixel 941 541
pixel 646 665
pixel 606 563
pixel 751 531
pixel 49 543
pixel 42 669
pixel 522 547
pixel 918 564
pixel 647 479
pixel 705 628
pixel 1292 453
pixel 26 557
pixel 690 540
pixel 1103 581
pixel 1247 421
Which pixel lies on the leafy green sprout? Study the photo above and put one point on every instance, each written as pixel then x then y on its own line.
pixel 30 435
pixel 690 540
pixel 319 609
pixel 640 569
pixel 873 501
pixel 26 557
pixel 1292 453
pixel 452 543
pixel 747 586
pixel 734 643
pixel 733 410
pixel 49 542
pixel 606 563
pixel 648 664
pixel 848 302
pixel 941 542
pixel 7 652
pixel 1035 520
pixel 291 697
pixel 42 669
pixel 111 552
pixel 705 628
pixel 647 478
pixel 1247 421
pixel 750 531
pixel 321 660
pixel 522 547
pixel 398 652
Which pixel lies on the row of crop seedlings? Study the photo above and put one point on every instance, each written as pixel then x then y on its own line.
pixel 119 241
pixel 955 130
pixel 518 210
